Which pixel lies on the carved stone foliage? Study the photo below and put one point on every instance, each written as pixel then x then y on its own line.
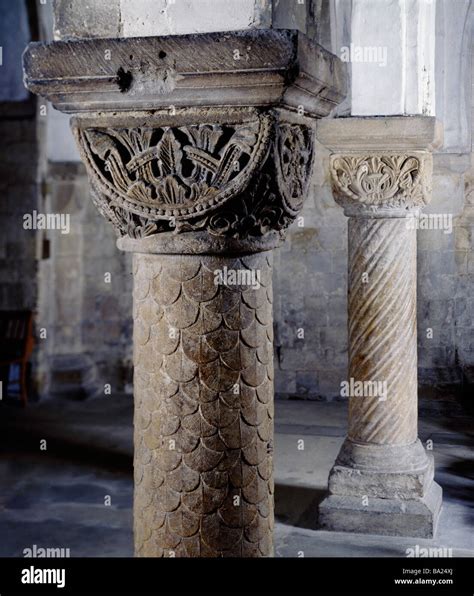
pixel 293 158
pixel 228 179
pixel 380 181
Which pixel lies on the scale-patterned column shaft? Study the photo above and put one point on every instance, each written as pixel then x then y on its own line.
pixel 203 345
pixel 382 329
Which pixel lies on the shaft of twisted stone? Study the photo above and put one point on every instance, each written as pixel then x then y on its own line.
pixel 203 356
pixel 382 330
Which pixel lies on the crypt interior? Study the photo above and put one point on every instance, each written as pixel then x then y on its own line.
pixel 324 148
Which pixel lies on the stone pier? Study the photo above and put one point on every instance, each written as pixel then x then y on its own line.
pixel 382 481
pixel 199 150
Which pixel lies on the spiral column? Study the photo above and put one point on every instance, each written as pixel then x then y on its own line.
pixel 382 330
pixel 382 481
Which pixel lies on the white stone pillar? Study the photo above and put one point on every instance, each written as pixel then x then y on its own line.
pixel 392 55
pixel 382 481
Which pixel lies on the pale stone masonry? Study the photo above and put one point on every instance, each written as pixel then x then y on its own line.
pixel 382 481
pixel 310 268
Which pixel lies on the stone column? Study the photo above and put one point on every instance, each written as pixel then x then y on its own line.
pixel 201 194
pixel 203 405
pixel 203 330
pixel 382 481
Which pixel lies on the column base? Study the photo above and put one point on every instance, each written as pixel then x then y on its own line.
pixel 387 517
pixel 382 489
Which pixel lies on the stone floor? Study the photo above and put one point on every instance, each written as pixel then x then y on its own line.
pixel 59 496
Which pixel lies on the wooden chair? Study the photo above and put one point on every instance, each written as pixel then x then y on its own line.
pixel 16 346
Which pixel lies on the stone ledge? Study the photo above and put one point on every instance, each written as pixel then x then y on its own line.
pixel 393 133
pixel 243 68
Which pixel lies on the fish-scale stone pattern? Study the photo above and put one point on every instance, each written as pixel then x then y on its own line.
pixel 203 406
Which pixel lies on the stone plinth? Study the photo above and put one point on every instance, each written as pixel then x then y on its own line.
pixel 382 481
pixel 199 149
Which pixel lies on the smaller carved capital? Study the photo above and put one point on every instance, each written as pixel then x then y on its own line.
pixel 381 184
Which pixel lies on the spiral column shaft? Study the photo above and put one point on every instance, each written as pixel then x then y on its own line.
pixel 382 330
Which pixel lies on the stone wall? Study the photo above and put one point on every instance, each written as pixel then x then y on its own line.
pixel 107 323
pixel 19 195
pixel 463 303
pixel 310 270
pixel 310 276
pixel 310 306
pixel 310 291
pixel 85 290
pixel 140 18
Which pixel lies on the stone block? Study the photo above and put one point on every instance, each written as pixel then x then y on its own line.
pixel 439 311
pixel 436 357
pixel 463 238
pixel 304 240
pixel 285 382
pixel 337 315
pixel 386 517
pixel 333 284
pixel 335 337
pixel 411 484
pixel 295 359
pixel 331 237
pixel 307 384
pixel 321 261
pixel 330 381
pixel 439 376
pixel 465 337
pixel 161 17
pixel 73 19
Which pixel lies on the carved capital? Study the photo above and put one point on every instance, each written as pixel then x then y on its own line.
pixel 383 184
pixel 240 178
pixel 193 143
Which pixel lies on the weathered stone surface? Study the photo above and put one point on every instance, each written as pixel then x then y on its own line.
pixel 375 134
pixel 382 481
pixel 383 471
pixel 388 517
pixel 203 407
pixel 242 180
pixel 139 18
pixel 98 20
pixel 197 192
pixel 243 68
